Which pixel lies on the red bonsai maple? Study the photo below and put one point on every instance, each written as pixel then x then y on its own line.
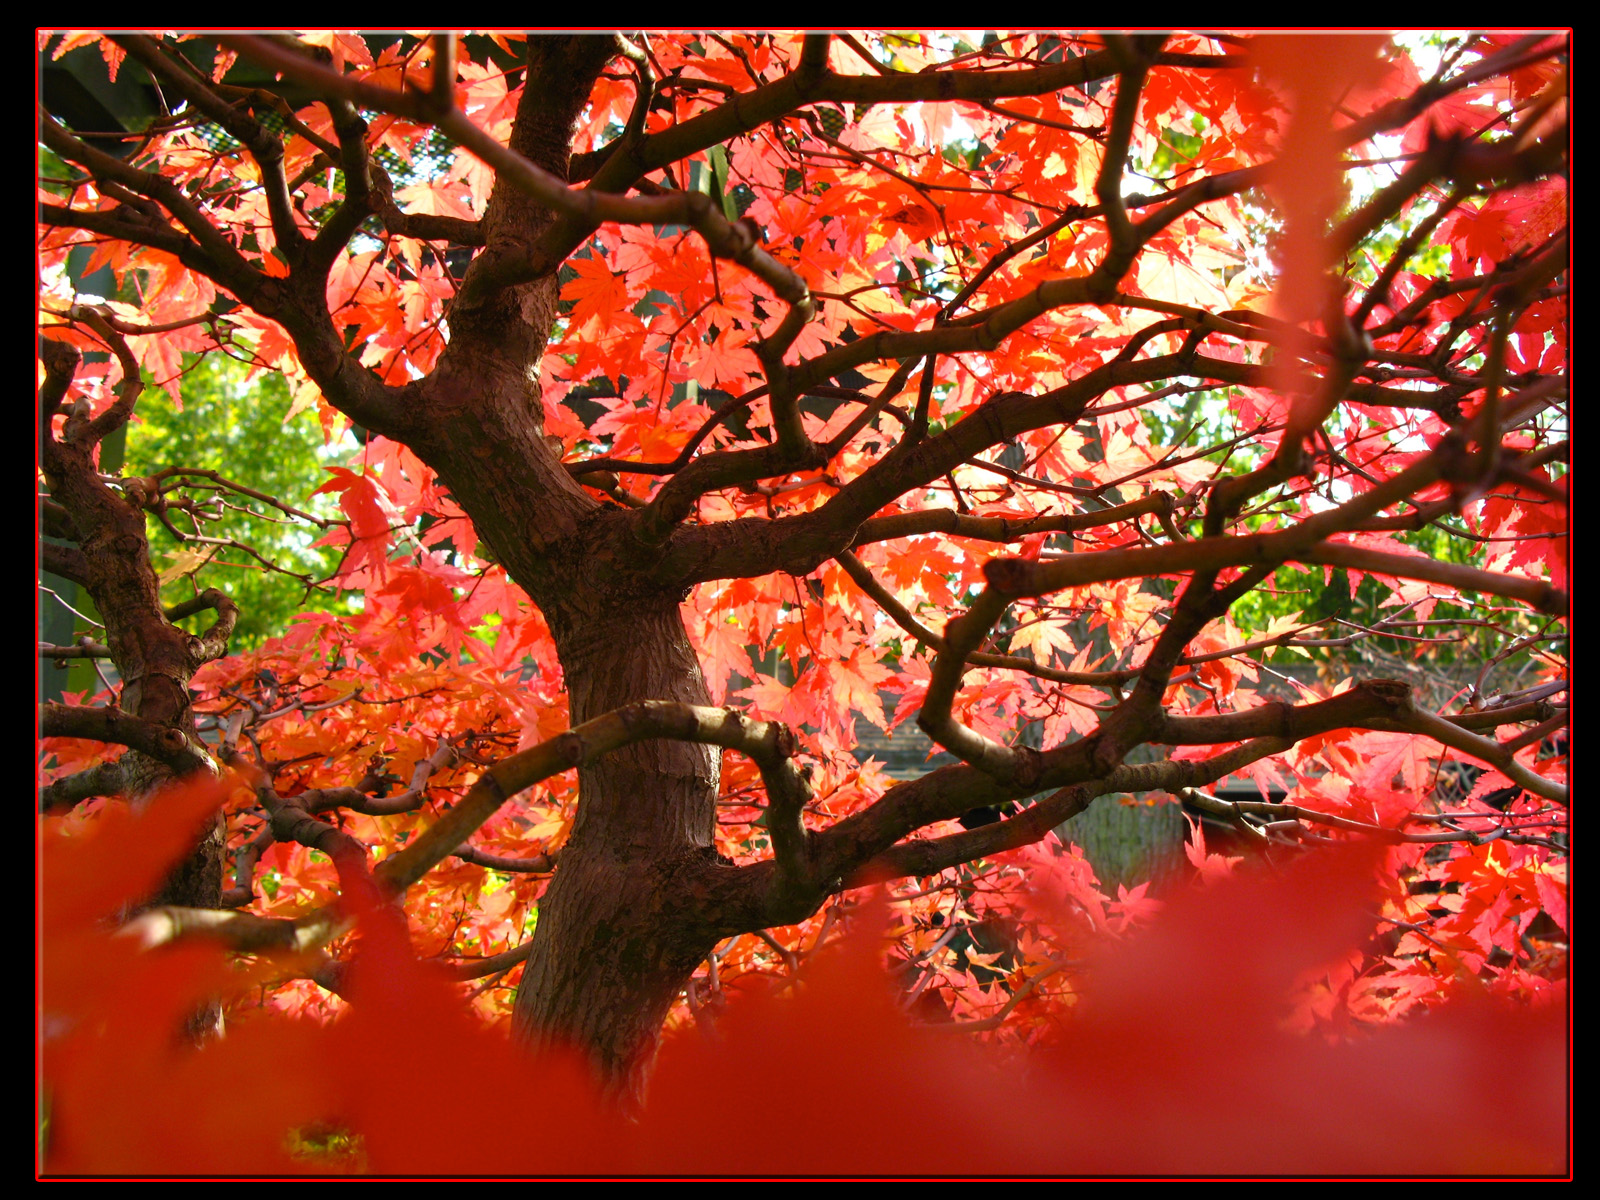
pixel 714 391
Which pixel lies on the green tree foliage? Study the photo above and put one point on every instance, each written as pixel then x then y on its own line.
pixel 239 428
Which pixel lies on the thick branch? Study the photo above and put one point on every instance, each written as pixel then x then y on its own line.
pixel 167 744
pixel 1018 767
pixel 66 561
pixel 539 864
pixel 244 932
pixel 1417 720
pixel 264 146
pixel 932 855
pixel 1003 529
pixel 858 848
pixel 105 779
pixel 770 746
pixel 1303 542
pixel 223 260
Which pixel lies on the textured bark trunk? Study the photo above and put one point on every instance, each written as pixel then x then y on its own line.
pixel 157 664
pixel 155 658
pixel 618 935
pixel 624 922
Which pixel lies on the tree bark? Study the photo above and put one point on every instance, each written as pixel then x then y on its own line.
pixel 155 658
pixel 640 896
pixel 617 937
pixel 615 942
pixel 618 933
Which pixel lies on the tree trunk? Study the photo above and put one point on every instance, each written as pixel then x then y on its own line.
pixel 614 943
pixel 618 933
pixel 155 658
pixel 624 922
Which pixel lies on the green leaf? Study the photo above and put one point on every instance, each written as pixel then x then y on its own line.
pixel 718 156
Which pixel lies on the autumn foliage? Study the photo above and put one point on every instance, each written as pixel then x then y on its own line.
pixel 715 398
pixel 1187 1058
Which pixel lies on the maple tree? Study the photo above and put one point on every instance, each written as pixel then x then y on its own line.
pixel 713 389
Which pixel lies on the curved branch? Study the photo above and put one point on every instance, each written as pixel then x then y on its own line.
pixel 264 146
pixel 931 855
pixel 1412 719
pixel 244 932
pixel 1015 767
pixel 111 724
pixel 361 199
pixel 539 864
pixel 213 643
pixel 105 779
pixel 221 259
pixel 770 746
pixel 245 859
pixel 129 387
pixel 463 969
pixel 66 561
pixel 1303 542
pixel 290 822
